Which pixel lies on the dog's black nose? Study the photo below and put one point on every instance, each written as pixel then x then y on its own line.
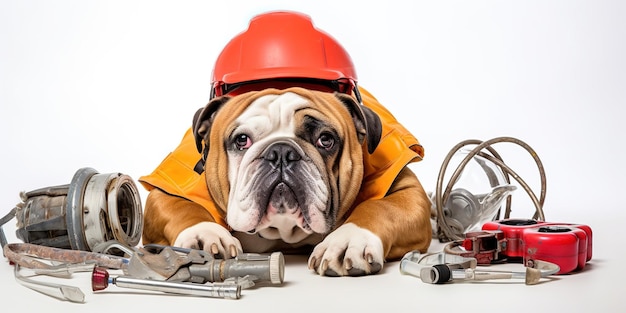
pixel 281 154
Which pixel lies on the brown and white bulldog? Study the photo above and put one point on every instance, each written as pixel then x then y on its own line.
pixel 284 168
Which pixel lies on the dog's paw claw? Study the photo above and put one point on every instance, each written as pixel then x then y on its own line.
pixel 369 258
pixel 312 263
pixel 324 266
pixel 233 251
pixel 214 249
pixel 347 264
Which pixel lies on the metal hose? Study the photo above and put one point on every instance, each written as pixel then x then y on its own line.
pixel 445 232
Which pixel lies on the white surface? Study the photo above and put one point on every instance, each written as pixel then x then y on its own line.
pixel 113 85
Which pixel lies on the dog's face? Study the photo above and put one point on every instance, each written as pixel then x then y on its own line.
pixel 285 163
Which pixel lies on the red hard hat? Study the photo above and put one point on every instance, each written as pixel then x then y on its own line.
pixel 283 46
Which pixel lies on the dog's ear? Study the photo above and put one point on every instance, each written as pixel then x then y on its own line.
pixel 203 119
pixel 368 124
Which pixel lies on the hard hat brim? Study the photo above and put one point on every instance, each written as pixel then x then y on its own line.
pixel 281 72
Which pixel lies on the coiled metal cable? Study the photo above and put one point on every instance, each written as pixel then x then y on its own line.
pixel 485 150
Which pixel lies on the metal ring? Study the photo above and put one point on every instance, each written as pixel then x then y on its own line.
pixel 74 208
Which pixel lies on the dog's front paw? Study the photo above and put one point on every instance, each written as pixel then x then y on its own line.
pixel 348 251
pixel 210 237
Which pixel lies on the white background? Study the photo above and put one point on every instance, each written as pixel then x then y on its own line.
pixel 114 84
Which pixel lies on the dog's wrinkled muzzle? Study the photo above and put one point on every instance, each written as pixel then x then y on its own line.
pixel 283 173
pixel 283 191
pixel 286 192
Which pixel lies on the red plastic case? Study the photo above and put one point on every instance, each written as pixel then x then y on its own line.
pixel 565 244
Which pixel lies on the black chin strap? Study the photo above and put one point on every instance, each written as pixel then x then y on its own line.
pixel 199 168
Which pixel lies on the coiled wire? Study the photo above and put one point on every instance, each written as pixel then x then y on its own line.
pixel 445 232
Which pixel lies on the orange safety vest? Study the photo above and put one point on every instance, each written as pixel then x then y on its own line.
pixel 397 148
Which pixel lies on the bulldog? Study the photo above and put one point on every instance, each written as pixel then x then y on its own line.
pixel 283 172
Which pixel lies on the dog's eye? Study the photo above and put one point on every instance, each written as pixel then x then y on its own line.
pixel 325 141
pixel 243 142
